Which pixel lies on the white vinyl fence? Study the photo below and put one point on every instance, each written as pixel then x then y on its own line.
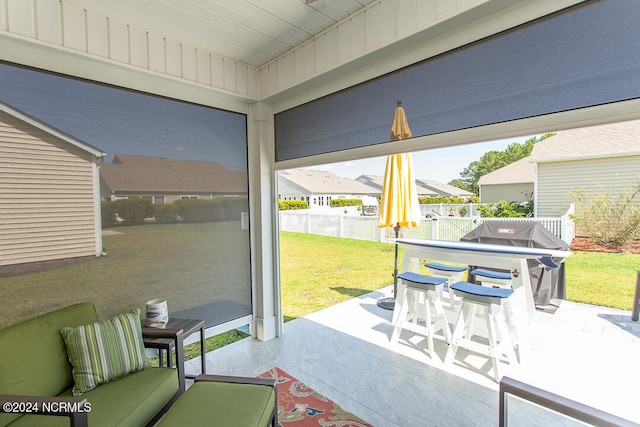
pixel 439 228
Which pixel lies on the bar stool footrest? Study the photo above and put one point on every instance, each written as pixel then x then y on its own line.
pixel 490 274
pixel 446 267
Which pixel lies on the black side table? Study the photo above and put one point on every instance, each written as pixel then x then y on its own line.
pixel 188 326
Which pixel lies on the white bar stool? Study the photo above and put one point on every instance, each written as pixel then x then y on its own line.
pixel 491 300
pixel 421 294
pixel 453 274
pixel 500 279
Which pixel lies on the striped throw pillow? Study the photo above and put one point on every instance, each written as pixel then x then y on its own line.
pixel 103 351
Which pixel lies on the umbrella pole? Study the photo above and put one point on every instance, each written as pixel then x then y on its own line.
pixel 395 265
pixel 389 303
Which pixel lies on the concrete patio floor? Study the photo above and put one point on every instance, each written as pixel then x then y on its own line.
pixel 587 353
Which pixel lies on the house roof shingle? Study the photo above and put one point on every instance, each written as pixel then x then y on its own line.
pixel 518 172
pixel 425 187
pixel 316 182
pixel 614 139
pixel 588 142
pixel 376 181
pixel 157 174
pixel 443 189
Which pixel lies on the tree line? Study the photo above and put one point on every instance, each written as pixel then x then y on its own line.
pixel 493 160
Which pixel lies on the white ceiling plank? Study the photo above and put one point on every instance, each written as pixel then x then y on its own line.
pixel 253 32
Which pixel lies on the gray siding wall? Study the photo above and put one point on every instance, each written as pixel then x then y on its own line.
pixel 507 192
pixel 557 180
pixel 47 206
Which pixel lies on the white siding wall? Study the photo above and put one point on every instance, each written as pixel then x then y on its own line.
pixel 507 192
pixel 557 180
pixel 46 196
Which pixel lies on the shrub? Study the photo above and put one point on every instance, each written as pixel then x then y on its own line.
pixel 608 217
pixel 286 205
pixel 221 208
pixel 133 211
pixel 432 200
pixel 230 208
pixel 166 213
pixel 336 203
pixel 504 209
pixel 108 214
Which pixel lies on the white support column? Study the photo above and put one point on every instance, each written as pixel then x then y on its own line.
pixel 264 229
pixel 97 211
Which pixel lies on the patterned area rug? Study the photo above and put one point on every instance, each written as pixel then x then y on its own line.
pixel 302 406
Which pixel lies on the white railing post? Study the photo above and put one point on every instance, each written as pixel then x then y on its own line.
pixel 307 223
pixel 567 226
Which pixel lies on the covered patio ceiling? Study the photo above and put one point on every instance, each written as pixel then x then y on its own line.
pixel 250 31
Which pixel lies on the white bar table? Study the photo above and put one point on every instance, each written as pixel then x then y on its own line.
pixel 512 258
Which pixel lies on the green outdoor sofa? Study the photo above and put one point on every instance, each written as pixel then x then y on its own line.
pixel 45 360
pixel 34 362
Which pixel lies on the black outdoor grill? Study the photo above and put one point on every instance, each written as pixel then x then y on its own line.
pixel 546 282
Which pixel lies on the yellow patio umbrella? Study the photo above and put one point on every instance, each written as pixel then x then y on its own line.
pixel 399 206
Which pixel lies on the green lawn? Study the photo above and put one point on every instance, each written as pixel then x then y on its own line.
pixel 601 278
pixel 318 271
pixel 327 270
pixel 189 264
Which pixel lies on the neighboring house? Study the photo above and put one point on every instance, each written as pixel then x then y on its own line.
pixel 375 182
pixel 49 192
pixel 318 188
pixel 594 159
pixel 442 190
pixel 512 183
pixel 166 180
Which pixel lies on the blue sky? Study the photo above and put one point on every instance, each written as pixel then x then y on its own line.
pixel 442 164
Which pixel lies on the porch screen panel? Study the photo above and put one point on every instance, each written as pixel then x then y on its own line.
pixel 173 190
pixel 584 56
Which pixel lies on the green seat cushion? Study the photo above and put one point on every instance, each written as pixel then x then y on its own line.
pixel 103 351
pixel 222 404
pixel 132 400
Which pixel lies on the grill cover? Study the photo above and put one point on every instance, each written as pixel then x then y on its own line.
pixel 546 283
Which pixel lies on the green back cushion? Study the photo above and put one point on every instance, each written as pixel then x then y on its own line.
pixel 34 359
pixel 103 351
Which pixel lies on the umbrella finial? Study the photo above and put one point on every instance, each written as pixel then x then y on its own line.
pixel 398 103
